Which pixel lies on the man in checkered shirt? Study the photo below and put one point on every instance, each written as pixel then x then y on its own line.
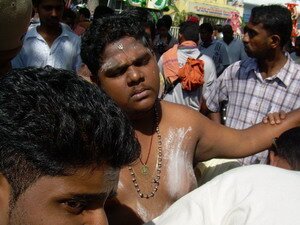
pixel 268 82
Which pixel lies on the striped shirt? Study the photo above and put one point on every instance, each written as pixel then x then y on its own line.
pixel 250 97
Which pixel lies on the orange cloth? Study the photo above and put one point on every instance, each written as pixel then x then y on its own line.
pixel 170 64
pixel 191 75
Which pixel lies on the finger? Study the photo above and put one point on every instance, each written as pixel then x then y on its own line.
pixel 271 118
pixel 265 120
pixel 282 114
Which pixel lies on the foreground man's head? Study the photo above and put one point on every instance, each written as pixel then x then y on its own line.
pixel 62 143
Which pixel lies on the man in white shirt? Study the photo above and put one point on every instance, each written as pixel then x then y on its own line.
pixel 49 43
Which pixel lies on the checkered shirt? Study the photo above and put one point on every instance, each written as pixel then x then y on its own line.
pixel 250 97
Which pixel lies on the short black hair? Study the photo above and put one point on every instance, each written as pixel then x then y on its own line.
pixel 105 31
pixel 190 31
pixel 85 12
pixel 287 146
pixel 206 27
pixel 144 16
pixel 218 27
pixel 168 20
pixel 276 19
pixel 227 28
pixel 102 11
pixel 53 123
pixel 38 2
pixel 163 23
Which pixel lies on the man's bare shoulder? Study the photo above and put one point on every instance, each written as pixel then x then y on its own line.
pixel 182 115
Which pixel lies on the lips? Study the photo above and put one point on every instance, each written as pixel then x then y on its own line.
pixel 140 93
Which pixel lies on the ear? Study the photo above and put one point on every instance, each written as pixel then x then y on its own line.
pixel 180 38
pixel 275 41
pixel 4 200
pixel 278 161
pixel 273 158
pixel 95 80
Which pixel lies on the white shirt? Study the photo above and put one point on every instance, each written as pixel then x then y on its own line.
pixel 250 195
pixel 64 53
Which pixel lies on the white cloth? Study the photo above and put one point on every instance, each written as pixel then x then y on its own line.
pixel 64 52
pixel 190 98
pixel 235 50
pixel 250 195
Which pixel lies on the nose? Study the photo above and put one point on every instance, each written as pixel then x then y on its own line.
pixel 96 217
pixel 133 74
pixel 55 12
pixel 246 37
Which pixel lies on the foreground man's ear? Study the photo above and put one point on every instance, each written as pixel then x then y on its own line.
pixel 278 161
pixel 4 200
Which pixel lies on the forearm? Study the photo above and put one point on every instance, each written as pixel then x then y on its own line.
pixel 261 135
pixel 224 142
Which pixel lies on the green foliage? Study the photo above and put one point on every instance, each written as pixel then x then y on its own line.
pixel 179 18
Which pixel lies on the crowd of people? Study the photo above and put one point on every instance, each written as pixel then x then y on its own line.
pixel 122 147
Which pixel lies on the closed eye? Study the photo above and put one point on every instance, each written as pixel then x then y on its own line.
pixel 143 60
pixel 117 72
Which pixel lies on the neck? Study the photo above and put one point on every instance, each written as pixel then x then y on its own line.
pixel 49 31
pixel 272 65
pixel 228 40
pixel 188 43
pixel 207 43
pixel 143 122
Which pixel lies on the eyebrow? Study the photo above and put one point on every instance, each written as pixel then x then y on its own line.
pixel 88 197
pixel 121 66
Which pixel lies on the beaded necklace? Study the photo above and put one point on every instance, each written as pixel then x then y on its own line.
pixel 144 170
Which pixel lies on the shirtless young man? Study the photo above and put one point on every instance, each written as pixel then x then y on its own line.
pixel 173 137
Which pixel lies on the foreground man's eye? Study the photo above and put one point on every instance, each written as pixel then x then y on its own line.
pixel 74 206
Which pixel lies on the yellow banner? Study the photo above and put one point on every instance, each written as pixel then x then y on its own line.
pixel 222 11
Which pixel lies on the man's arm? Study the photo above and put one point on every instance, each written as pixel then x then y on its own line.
pixel 214 116
pixel 217 141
